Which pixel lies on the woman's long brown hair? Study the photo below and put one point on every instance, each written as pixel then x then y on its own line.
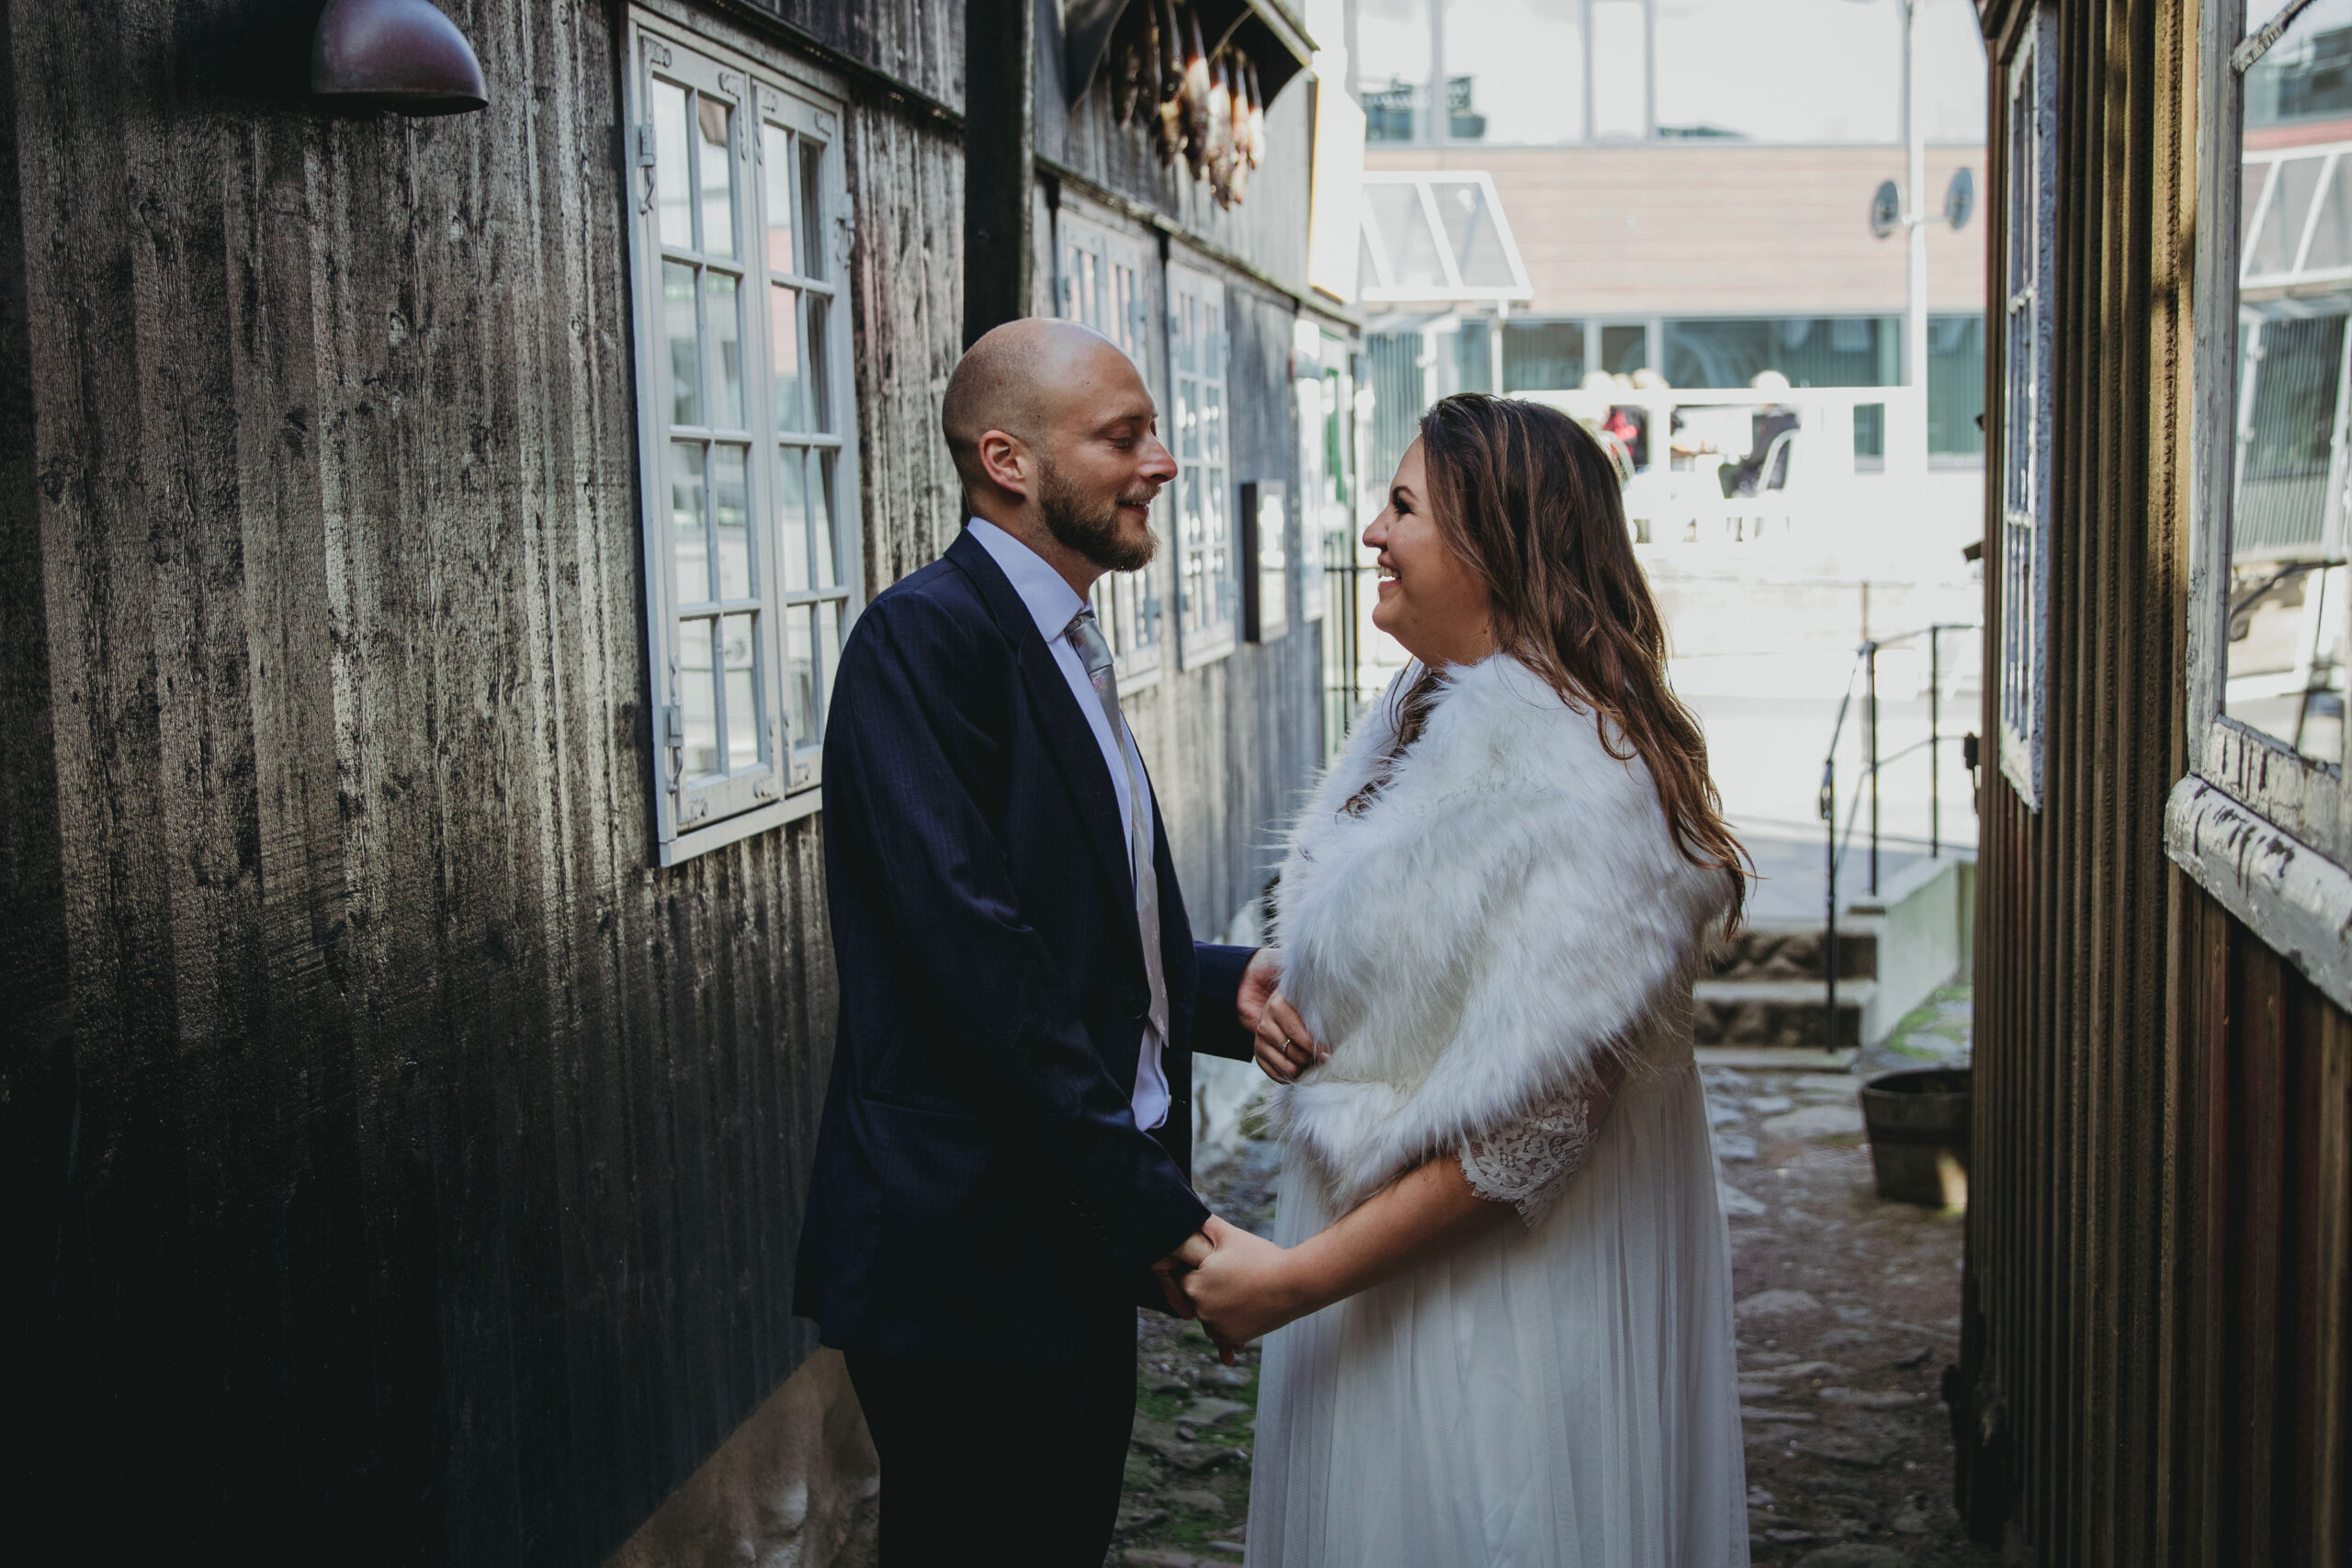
pixel 1527 496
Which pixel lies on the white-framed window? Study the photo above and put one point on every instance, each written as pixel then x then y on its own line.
pixel 1104 283
pixel 2261 820
pixel 2023 556
pixel 1207 584
pixel 746 430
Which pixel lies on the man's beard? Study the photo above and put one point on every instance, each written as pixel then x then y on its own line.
pixel 1094 534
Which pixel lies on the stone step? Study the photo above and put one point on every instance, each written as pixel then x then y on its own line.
pixel 1779 1013
pixel 1779 951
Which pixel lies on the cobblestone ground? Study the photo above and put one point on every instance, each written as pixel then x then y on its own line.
pixel 1848 1313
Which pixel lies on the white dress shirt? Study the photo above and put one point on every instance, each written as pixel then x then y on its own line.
pixel 1052 602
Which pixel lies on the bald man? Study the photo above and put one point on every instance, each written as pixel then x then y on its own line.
pixel 1004 1157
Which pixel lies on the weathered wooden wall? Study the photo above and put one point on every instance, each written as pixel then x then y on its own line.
pixel 409 1171
pixel 402 1168
pixel 2153 1367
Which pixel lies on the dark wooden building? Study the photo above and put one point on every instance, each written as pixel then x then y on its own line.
pixel 422 547
pixel 2157 1356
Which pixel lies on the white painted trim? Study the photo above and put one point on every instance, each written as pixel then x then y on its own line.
pixel 2292 896
pixel 743 825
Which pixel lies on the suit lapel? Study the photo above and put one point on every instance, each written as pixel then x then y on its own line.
pixel 1070 739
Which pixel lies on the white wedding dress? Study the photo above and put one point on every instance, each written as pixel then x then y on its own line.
pixel 1560 1390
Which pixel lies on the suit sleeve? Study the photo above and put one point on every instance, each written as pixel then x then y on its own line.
pixel 909 750
pixel 1216 1031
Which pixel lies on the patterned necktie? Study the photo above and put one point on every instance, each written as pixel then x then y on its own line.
pixel 1095 653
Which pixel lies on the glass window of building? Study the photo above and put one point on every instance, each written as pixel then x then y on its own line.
pixel 2283 645
pixel 1102 283
pixel 2030 115
pixel 1956 386
pixel 1543 356
pixel 746 432
pixel 1207 591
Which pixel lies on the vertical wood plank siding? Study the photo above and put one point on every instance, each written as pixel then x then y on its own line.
pixel 403 1168
pixel 2154 1357
pixel 419 1172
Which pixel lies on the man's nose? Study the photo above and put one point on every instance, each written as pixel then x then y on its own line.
pixel 1158 463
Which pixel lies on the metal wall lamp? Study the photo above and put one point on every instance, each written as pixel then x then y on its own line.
pixel 401 55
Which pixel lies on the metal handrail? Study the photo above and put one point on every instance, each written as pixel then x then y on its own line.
pixel 1865 665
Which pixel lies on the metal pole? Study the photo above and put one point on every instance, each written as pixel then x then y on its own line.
pixel 1935 720
pixel 1829 923
pixel 1915 310
pixel 1869 731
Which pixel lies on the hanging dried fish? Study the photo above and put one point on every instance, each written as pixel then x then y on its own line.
pixel 1218 154
pixel 1125 52
pixel 1142 94
pixel 1167 131
pixel 1256 115
pixel 1196 94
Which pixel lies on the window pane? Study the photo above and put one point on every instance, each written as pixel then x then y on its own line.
pixel 829 642
pixel 698 698
pixel 725 318
pixel 736 648
pixel 775 166
pixel 1819 351
pixel 821 400
pixel 2285 647
pixel 1955 384
pixel 812 209
pixel 800 677
pixel 2331 247
pixel 671 200
pixel 715 170
pixel 792 518
pixel 730 511
pixel 2283 227
pixel 2307 75
pixel 820 521
pixel 1543 356
pixel 2257 179
pixel 1624 350
pixel 783 355
pixel 689 535
pixel 685 343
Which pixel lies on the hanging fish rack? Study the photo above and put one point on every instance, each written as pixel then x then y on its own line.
pixel 1191 76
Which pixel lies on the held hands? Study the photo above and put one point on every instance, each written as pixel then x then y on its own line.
pixel 1284 1047
pixel 1240 1287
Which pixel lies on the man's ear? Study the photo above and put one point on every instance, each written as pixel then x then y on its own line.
pixel 1006 462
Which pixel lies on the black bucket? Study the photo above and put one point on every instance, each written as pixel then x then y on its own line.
pixel 1919 1131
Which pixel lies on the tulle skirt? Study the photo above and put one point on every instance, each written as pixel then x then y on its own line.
pixel 1565 1396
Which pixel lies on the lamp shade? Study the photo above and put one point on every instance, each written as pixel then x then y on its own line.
pixel 402 55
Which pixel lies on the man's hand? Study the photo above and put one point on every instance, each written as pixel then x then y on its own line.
pixel 1257 983
pixel 1241 1288
pixel 1283 1047
pixel 1195 1248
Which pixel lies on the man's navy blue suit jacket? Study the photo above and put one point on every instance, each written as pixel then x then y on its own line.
pixel 982 1191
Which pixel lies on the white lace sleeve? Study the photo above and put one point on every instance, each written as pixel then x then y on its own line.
pixel 1528 1162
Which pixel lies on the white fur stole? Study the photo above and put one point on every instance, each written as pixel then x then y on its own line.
pixel 1508 911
